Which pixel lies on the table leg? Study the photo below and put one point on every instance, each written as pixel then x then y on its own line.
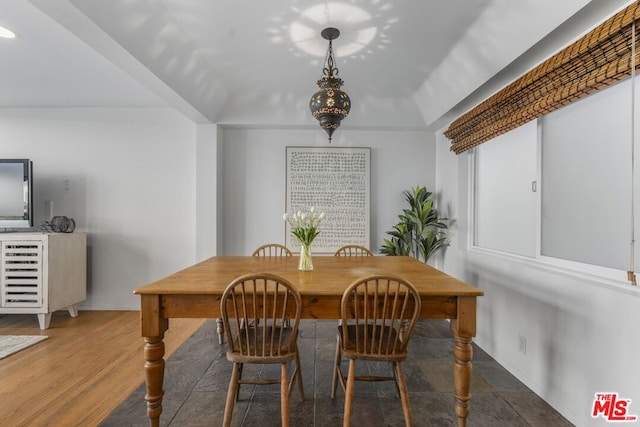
pixel 463 353
pixel 153 327
pixel 463 328
pixel 220 330
pixel 154 375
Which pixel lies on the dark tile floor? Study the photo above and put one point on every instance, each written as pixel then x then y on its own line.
pixel 197 376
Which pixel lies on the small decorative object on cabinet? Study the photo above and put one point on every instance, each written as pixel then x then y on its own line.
pixel 42 273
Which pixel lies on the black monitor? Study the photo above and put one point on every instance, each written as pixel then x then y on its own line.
pixel 16 193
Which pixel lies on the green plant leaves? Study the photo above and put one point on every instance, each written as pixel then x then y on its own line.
pixel 419 232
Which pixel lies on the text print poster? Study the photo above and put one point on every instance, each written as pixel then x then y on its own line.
pixel 335 181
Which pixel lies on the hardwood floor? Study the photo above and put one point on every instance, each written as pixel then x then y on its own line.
pixel 82 372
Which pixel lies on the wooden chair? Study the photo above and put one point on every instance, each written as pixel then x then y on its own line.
pixel 379 314
pixel 272 249
pixel 263 301
pixel 268 250
pixel 353 250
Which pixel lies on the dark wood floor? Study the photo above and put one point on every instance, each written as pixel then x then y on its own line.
pixel 197 377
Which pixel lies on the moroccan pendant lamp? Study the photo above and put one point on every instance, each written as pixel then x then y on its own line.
pixel 330 105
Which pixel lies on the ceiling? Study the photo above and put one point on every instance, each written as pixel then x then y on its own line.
pixel 406 64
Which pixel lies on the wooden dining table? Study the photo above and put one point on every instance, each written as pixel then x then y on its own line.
pixel 195 292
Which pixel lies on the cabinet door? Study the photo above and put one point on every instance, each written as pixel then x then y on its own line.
pixel 21 281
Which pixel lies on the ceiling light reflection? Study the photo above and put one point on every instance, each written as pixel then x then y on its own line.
pixel 303 31
pixel 6 33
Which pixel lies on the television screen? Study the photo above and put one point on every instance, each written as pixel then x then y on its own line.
pixel 16 195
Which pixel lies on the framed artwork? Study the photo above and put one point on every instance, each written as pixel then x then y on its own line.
pixel 337 182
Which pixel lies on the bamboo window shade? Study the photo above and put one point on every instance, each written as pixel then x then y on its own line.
pixel 598 59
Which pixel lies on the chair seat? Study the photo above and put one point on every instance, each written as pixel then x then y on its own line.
pixel 260 348
pixel 373 343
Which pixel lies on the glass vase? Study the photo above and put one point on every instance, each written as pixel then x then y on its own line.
pixel 305 263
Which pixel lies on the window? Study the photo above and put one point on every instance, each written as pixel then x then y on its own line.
pixel 505 206
pixel 586 179
pixel 578 160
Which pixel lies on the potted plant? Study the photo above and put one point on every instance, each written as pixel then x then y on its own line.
pixel 420 231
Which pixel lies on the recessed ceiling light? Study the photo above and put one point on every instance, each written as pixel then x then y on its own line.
pixel 6 33
pixel 359 23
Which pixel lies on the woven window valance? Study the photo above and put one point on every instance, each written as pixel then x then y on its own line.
pixel 600 58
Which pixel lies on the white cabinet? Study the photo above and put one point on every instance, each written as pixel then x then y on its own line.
pixel 42 273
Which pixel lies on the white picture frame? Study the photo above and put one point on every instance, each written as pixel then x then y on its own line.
pixel 337 182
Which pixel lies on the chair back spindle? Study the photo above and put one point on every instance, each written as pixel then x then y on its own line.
pixel 380 314
pixel 264 302
pixel 353 251
pixel 272 250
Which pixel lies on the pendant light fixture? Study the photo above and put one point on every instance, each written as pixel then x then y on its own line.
pixel 330 104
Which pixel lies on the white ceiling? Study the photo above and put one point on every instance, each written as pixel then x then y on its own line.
pixel 240 62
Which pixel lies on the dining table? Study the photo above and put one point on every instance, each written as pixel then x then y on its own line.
pixel 195 292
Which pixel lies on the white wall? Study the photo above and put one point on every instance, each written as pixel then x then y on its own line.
pixel 582 335
pixel 155 192
pixel 127 177
pixel 254 179
pixel 207 179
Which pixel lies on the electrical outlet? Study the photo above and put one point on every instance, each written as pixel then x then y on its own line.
pixel 522 344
